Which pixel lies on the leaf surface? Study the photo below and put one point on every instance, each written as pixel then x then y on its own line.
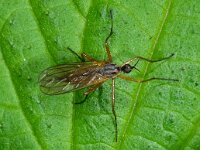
pixel 154 115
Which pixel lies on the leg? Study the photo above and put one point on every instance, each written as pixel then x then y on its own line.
pixel 73 52
pixel 148 60
pixel 113 107
pixel 106 41
pixel 82 100
pixel 85 56
pixel 90 90
pixel 146 80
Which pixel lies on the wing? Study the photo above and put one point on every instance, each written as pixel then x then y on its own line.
pixel 70 77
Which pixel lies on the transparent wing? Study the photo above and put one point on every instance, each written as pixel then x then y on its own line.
pixel 70 77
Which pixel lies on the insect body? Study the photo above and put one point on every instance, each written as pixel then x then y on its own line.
pixel 92 73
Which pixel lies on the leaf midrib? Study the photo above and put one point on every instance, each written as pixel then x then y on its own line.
pixel 82 44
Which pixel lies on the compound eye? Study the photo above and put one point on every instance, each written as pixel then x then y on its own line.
pixel 126 68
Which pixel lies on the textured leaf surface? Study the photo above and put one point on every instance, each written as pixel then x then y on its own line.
pixel 154 115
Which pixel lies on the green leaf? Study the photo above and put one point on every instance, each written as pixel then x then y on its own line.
pixel 160 115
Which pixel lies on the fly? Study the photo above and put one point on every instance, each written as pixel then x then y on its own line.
pixel 92 73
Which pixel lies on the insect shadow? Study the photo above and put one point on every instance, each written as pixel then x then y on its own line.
pixel 91 73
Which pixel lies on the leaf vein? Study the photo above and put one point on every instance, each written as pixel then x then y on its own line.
pixel 134 107
pixel 41 33
pixel 22 110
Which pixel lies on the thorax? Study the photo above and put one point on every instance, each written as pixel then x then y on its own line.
pixel 109 70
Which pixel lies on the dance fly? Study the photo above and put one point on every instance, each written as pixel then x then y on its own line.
pixel 91 74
